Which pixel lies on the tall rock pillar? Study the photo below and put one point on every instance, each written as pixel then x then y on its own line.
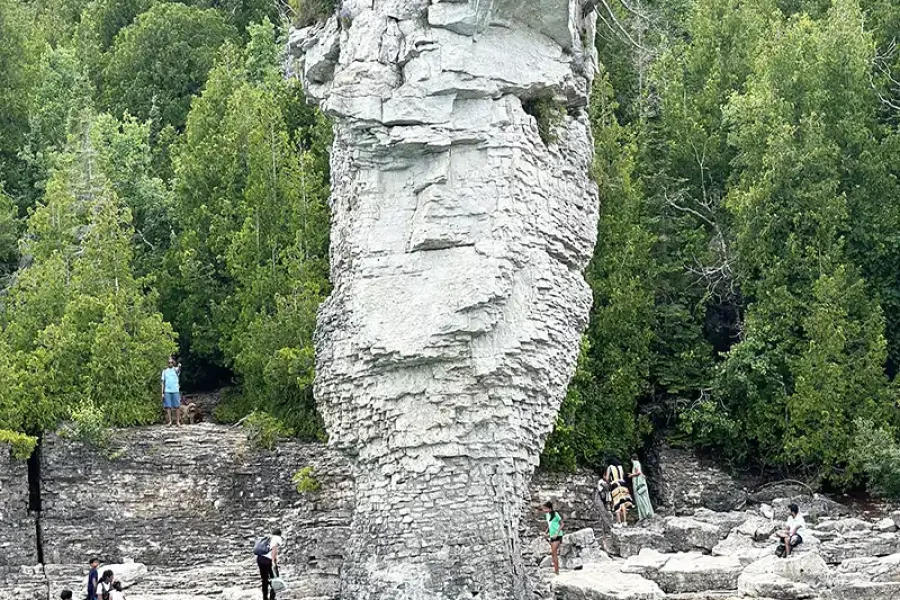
pixel 458 241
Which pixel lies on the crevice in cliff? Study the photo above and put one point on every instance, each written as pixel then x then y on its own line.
pixel 34 496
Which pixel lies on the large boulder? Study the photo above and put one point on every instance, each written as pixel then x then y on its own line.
pixel 860 544
pixel 863 590
pixel 870 568
pixel 885 525
pixel 758 528
pixel 797 576
pixel 646 562
pixel 686 534
pixel 742 547
pixel 629 541
pixel 692 572
pixel 842 526
pixel 604 582
pixel 725 521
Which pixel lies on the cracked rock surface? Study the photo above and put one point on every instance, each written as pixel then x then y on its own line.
pixel 458 241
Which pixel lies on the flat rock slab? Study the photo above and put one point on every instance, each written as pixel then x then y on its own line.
pixel 796 577
pixel 860 544
pixel 686 534
pixel 698 573
pixel 604 582
pixel 630 541
pixel 864 590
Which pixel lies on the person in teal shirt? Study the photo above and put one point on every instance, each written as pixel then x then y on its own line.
pixel 554 533
pixel 171 392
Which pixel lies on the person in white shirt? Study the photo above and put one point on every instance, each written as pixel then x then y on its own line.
pixel 268 564
pixel 116 593
pixel 795 530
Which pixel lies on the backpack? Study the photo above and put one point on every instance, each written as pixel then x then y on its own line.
pixel 263 546
pixel 105 589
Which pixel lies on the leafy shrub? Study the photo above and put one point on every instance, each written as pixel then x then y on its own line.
pixel 233 406
pixel 21 445
pixel 876 454
pixel 88 425
pixel 264 430
pixel 306 481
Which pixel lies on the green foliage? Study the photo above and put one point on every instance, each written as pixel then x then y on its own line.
pixel 249 268
pixel 88 425
pixel 79 325
pixel 876 454
pixel 160 61
pixel 264 430
pixel 20 445
pixel 598 417
pixel 306 481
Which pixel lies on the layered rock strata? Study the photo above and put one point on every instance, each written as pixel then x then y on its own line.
pixel 458 241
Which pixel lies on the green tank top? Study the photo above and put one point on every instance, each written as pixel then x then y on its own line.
pixel 553 524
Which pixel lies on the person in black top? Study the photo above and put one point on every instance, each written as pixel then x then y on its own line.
pixel 93 577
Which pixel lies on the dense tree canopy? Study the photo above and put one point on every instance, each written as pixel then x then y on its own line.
pixel 163 190
pixel 755 240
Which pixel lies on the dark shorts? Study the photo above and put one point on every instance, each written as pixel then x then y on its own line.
pixel 556 539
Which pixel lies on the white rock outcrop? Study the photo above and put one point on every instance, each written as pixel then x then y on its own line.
pixel 458 242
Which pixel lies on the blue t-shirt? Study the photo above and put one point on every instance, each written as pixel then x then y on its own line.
pixel 170 379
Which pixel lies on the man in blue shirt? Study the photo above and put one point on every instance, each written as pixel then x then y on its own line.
pixel 171 393
pixel 93 576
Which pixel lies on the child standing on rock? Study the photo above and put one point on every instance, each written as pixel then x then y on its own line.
pixel 554 533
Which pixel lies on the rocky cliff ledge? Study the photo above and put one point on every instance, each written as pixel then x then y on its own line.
pixel 177 510
pixel 462 217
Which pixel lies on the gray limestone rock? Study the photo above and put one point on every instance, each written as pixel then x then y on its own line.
pixel 604 582
pixel 630 541
pixel 863 590
pixel 798 576
pixel 858 544
pixel 692 572
pixel 686 534
pixel 742 547
pixel 457 245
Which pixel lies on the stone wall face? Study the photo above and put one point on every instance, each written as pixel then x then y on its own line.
pixel 20 577
pixel 18 543
pixel 189 498
pixel 687 482
pixel 458 242
pixel 574 495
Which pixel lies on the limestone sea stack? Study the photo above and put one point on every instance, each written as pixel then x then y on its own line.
pixel 463 216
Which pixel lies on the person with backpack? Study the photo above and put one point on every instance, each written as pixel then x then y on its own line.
pixel 117 593
pixel 266 551
pixel 93 577
pixel 105 585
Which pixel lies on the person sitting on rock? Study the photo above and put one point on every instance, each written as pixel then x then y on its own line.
pixel 554 533
pixel 792 536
